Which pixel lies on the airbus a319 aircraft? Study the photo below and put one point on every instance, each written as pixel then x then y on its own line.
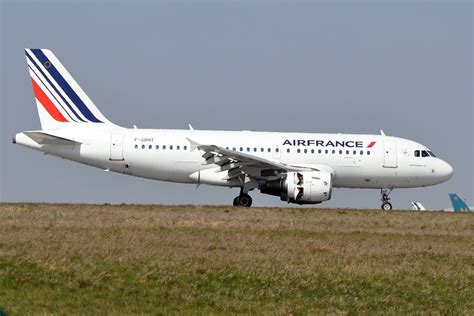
pixel 300 168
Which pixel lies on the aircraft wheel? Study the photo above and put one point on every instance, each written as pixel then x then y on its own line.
pixel 236 201
pixel 387 206
pixel 243 200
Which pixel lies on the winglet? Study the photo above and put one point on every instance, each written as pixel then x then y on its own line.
pixel 190 127
pixel 193 144
pixel 382 133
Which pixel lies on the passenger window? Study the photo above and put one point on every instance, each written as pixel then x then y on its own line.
pixel 326 151
pixel 269 150
pixel 277 150
pixel 312 151
pixel 368 152
pixel 171 147
pixel 157 146
pixel 417 153
pixel 306 151
pixel 333 151
pixel 424 153
pixel 319 151
pixel 143 146
pixel 185 147
pixel 136 146
pixel 233 148
pixel 164 147
pixel 354 152
pixel 347 152
pixel 150 146
pixel 298 150
pixel 241 149
pixel 361 152
pixel 248 148
pixel 255 149
pixel 177 147
pixel 261 149
pixel 288 150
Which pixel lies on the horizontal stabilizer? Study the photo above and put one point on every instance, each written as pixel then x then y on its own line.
pixel 43 138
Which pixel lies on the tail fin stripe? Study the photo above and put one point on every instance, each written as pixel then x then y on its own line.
pixel 46 103
pixel 65 86
pixel 52 85
pixel 46 87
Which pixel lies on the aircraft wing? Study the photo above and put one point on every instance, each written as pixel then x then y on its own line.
pixel 238 163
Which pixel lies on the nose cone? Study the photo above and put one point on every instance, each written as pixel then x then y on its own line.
pixel 444 171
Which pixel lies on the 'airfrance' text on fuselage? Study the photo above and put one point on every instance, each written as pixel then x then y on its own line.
pixel 329 143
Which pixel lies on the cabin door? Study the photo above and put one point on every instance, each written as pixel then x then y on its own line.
pixel 390 155
pixel 116 147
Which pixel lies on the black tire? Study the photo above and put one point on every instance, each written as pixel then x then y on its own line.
pixel 387 206
pixel 236 201
pixel 245 200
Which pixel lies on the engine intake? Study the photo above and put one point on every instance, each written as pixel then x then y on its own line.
pixel 309 187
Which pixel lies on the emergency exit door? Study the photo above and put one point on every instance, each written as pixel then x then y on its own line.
pixel 116 147
pixel 390 155
pixel 276 152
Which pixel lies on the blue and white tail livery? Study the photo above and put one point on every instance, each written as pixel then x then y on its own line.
pixel 59 98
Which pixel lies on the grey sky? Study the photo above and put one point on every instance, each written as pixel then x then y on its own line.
pixel 349 67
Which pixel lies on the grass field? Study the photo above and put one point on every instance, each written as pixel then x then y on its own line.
pixel 102 259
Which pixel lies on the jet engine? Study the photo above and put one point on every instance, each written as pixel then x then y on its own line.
pixel 309 187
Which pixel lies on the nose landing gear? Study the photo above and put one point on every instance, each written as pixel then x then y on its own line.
pixel 386 205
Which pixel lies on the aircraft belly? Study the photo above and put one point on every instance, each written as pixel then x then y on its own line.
pixel 367 177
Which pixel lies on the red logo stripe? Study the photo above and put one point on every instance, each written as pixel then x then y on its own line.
pixel 371 144
pixel 47 104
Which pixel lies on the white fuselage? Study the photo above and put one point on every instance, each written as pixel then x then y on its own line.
pixel 300 168
pixel 168 155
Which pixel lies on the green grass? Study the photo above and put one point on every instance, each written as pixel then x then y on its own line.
pixel 91 259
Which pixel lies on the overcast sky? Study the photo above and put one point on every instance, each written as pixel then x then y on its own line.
pixel 349 67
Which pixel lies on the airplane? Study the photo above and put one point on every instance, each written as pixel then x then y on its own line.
pixel 458 204
pixel 417 206
pixel 300 168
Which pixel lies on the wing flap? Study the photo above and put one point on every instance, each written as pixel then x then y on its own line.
pixel 228 159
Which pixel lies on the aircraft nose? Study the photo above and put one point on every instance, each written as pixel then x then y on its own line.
pixel 445 171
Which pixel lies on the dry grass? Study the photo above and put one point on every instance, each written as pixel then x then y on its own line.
pixel 218 260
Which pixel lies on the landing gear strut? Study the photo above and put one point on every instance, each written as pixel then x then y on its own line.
pixel 386 205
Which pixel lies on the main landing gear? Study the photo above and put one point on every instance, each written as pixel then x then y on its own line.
pixel 243 199
pixel 386 205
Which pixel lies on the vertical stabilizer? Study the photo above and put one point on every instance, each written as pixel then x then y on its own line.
pixel 458 204
pixel 59 98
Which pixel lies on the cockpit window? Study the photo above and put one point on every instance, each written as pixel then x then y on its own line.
pixel 424 153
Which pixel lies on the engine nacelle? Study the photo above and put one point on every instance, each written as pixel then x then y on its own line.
pixel 309 187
